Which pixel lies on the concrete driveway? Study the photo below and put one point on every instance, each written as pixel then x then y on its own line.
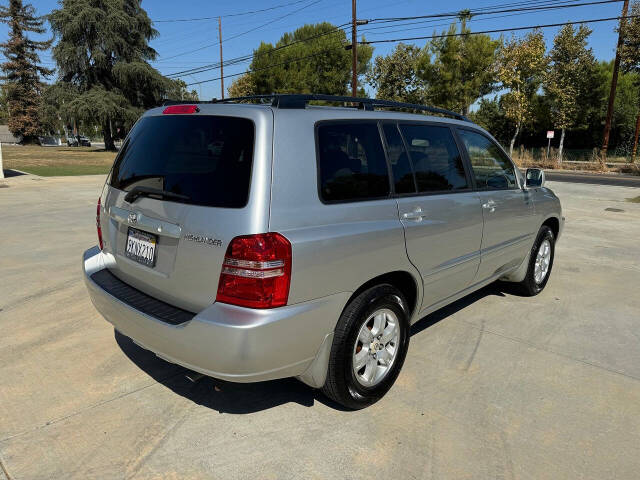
pixel 495 386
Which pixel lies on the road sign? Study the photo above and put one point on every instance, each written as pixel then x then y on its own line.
pixel 550 134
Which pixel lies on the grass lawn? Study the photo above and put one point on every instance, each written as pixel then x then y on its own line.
pixel 57 161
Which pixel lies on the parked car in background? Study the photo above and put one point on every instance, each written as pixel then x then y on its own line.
pixel 49 141
pixel 251 242
pixel 78 141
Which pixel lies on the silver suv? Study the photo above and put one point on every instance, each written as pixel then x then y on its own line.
pixel 251 242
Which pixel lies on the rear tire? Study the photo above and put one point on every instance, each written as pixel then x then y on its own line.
pixel 373 334
pixel 540 263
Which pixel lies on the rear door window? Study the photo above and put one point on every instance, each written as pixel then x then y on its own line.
pixel 435 157
pixel 491 167
pixel 404 180
pixel 351 162
pixel 205 158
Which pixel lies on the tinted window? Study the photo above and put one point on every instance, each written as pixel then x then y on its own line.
pixel 206 158
pixel 352 163
pixel 400 165
pixel 491 167
pixel 435 157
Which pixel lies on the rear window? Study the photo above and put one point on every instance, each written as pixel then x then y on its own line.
pixel 352 164
pixel 206 158
pixel 435 157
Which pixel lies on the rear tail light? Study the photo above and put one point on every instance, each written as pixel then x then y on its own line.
pixel 256 271
pixel 98 224
pixel 180 109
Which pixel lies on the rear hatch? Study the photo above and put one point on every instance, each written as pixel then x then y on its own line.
pixel 181 188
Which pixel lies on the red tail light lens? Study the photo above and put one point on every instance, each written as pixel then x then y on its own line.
pixel 180 109
pixel 256 271
pixel 98 224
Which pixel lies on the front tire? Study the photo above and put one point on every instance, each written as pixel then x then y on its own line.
pixel 540 263
pixel 370 344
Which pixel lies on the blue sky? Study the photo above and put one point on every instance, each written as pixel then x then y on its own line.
pixel 180 37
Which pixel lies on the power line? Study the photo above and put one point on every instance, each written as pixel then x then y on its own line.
pixel 250 56
pixel 539 5
pixel 478 12
pixel 245 32
pixel 431 23
pixel 317 54
pixel 248 12
pixel 498 30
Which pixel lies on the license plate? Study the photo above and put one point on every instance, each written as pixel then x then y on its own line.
pixel 141 247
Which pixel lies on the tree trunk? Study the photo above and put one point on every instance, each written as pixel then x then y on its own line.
pixel 560 148
pixel 635 139
pixel 513 141
pixel 109 144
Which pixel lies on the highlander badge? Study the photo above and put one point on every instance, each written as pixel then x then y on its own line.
pixel 214 242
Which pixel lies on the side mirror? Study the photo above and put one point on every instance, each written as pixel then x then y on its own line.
pixel 534 177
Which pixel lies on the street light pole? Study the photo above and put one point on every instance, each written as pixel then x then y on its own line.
pixel 354 51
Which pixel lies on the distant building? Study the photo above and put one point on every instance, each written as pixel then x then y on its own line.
pixel 6 136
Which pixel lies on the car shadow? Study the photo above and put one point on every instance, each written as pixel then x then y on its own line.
pixel 497 289
pixel 242 398
pixel 220 395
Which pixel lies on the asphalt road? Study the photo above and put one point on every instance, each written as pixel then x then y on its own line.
pixel 593 178
pixel 495 386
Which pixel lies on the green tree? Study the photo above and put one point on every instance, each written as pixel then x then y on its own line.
pixel 395 76
pixel 521 67
pixel 243 86
pixel 314 61
pixel 177 90
pixel 102 54
pixel 4 107
pixel 570 77
pixel 22 72
pixel 630 55
pixel 491 116
pixel 625 108
pixel 458 70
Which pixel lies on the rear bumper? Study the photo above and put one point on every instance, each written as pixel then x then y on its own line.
pixel 225 341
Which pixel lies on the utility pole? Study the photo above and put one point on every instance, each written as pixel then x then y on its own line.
pixel 635 139
pixel 221 68
pixel 614 81
pixel 354 51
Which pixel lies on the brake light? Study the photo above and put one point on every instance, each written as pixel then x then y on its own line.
pixel 98 224
pixel 256 271
pixel 180 109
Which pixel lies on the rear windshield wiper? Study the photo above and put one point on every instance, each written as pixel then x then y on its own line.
pixel 137 192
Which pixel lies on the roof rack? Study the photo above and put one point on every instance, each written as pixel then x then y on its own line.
pixel 300 101
pixel 168 101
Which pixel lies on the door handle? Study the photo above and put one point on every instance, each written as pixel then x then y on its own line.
pixel 416 215
pixel 490 205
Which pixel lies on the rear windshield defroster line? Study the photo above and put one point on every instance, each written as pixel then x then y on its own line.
pixel 205 160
